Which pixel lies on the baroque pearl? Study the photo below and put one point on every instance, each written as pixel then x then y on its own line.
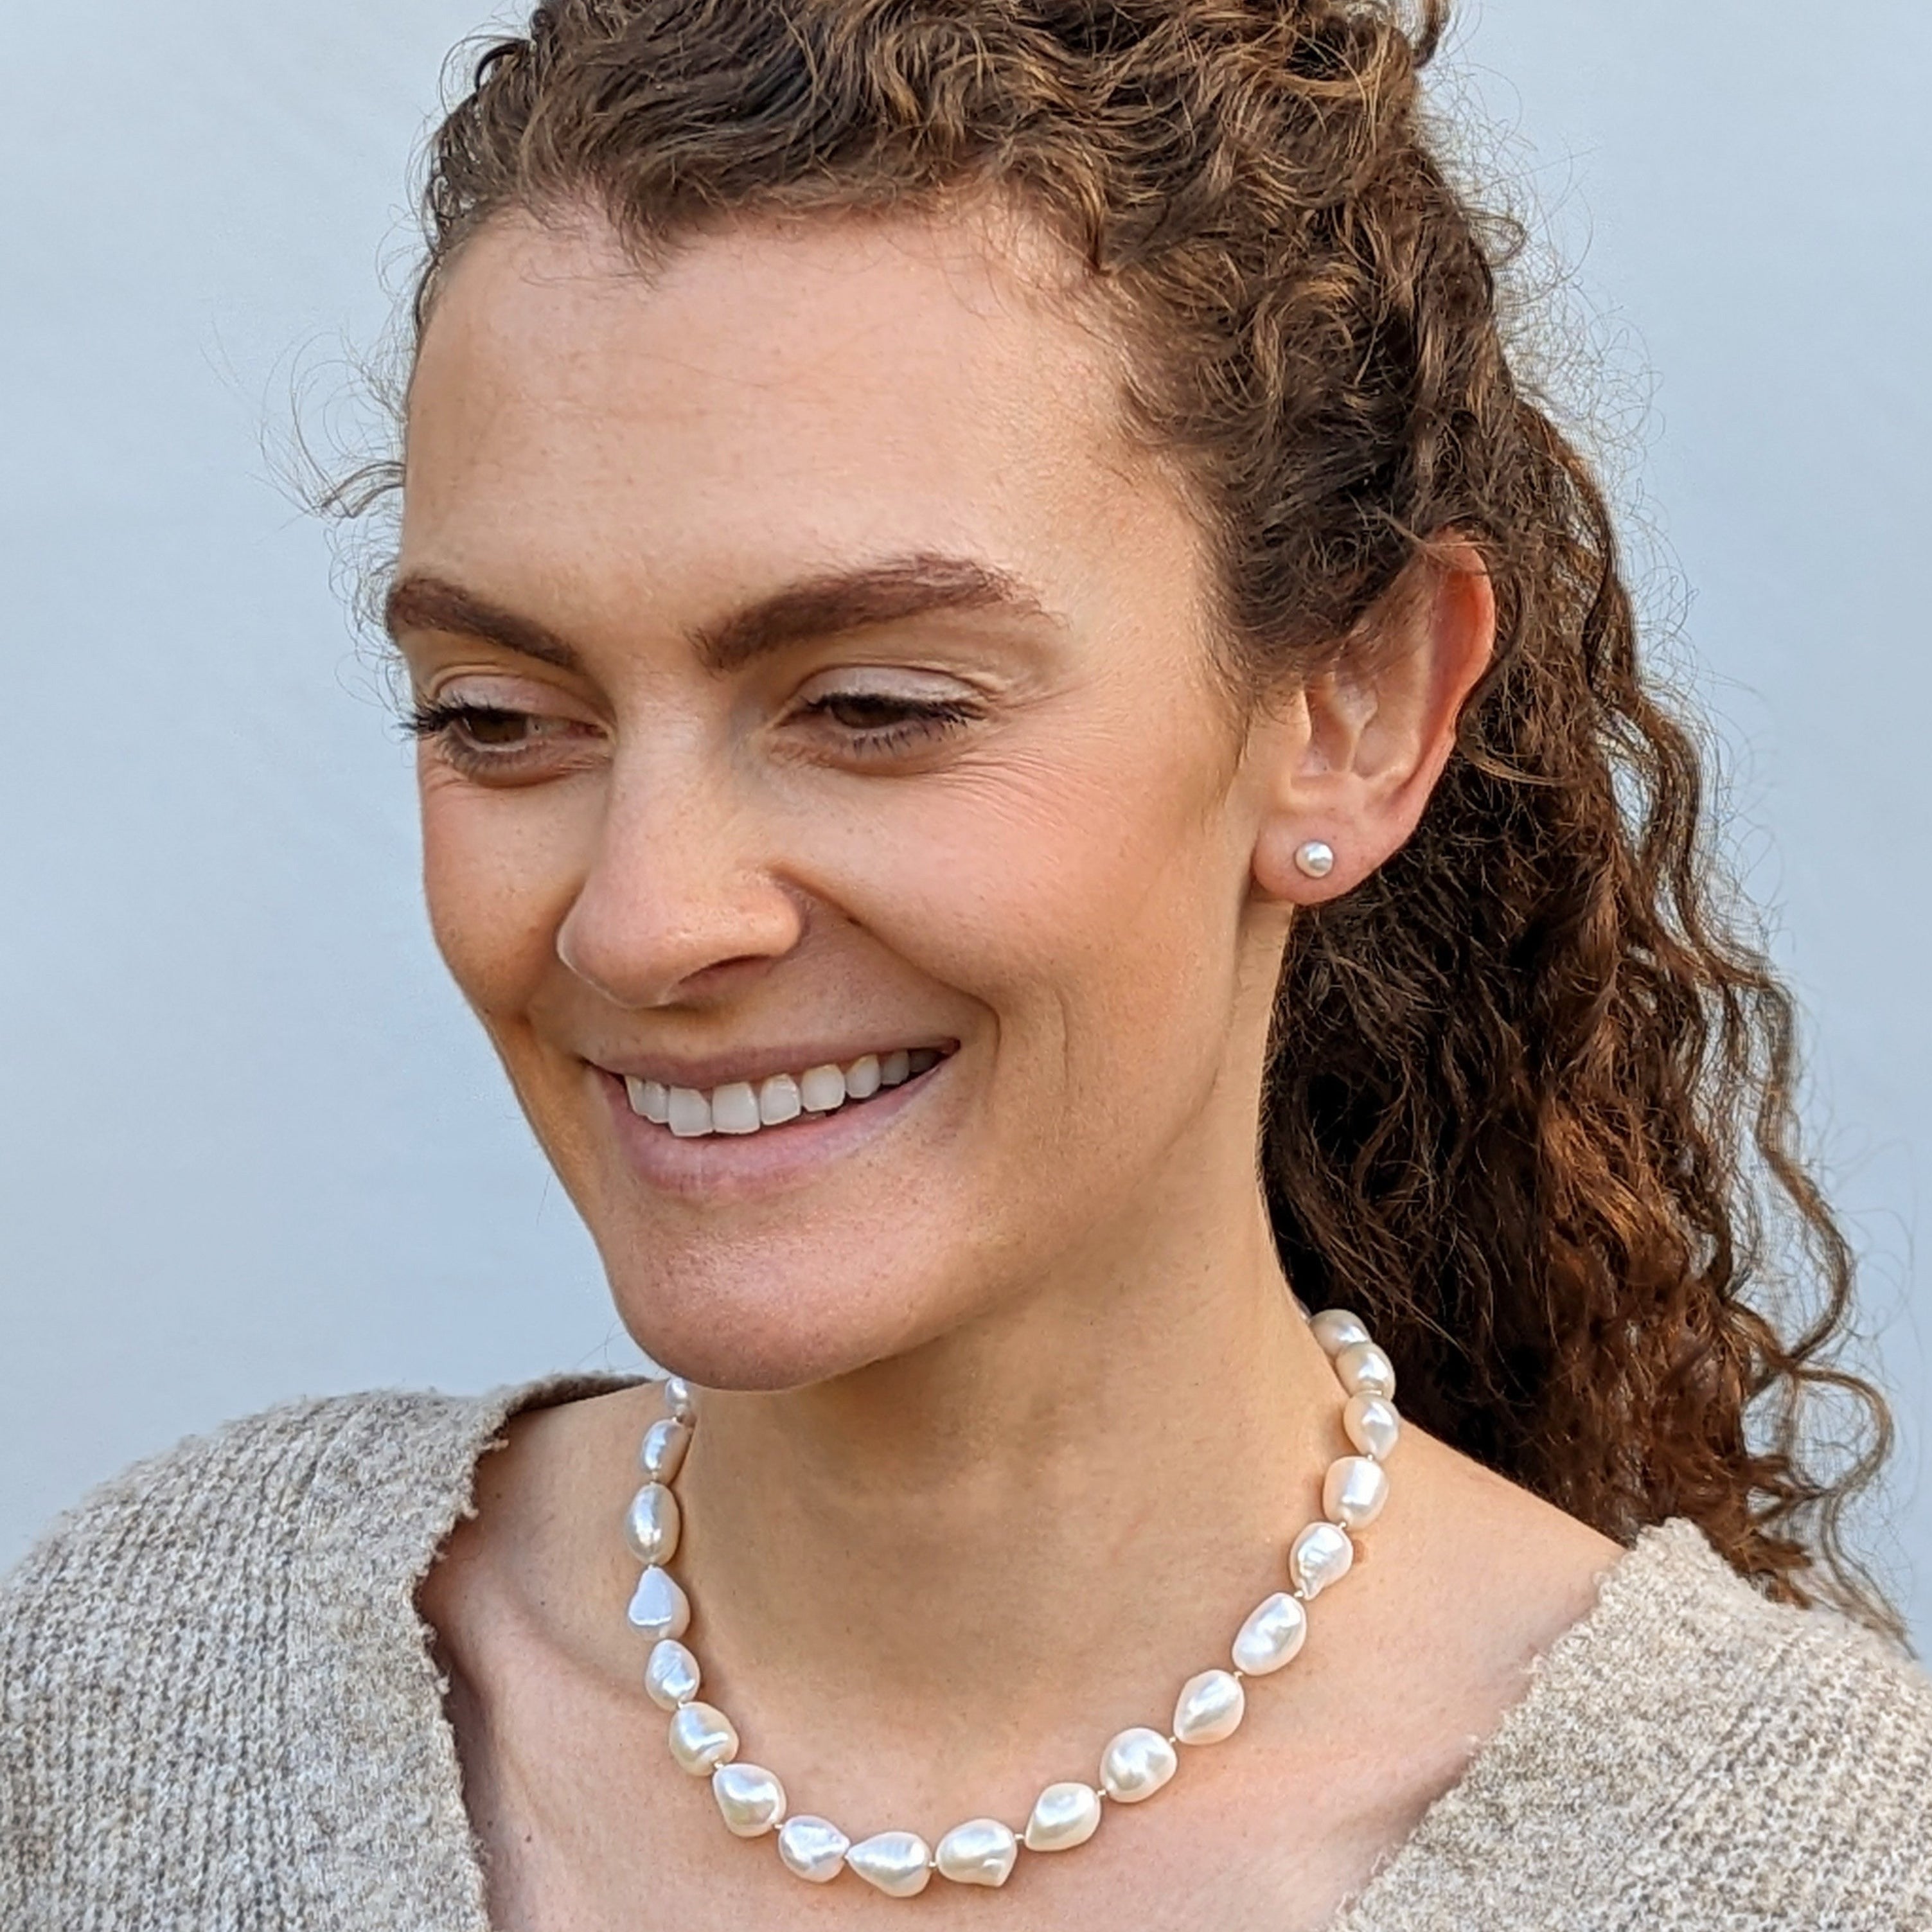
pixel 1353 1491
pixel 658 1607
pixel 671 1677
pixel 1371 1424
pixel 702 1738
pixel 813 1848
pixel 1137 1764
pixel 1321 1555
pixel 898 1863
pixel 651 1526
pixel 662 1455
pixel 980 1851
pixel 1363 1369
pixel 1272 1633
pixel 1210 1707
pixel 751 1800
pixel 1336 1329
pixel 1064 1815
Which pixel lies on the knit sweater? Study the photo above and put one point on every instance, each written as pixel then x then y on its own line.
pixel 218 1709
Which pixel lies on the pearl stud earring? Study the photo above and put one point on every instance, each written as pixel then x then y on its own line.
pixel 1316 858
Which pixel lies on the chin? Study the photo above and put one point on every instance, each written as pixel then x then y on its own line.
pixel 764 1326
pixel 774 1263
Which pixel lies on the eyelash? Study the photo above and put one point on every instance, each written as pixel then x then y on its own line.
pixel 913 720
pixel 429 717
pixel 433 719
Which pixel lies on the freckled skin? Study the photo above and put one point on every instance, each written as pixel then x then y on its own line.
pixel 1063 888
pixel 1006 1419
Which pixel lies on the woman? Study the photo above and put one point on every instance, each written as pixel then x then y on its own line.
pixel 985 613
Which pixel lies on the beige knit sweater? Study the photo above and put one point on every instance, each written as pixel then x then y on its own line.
pixel 217 1710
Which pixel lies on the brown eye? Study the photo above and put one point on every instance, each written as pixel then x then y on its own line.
pixel 499 729
pixel 866 711
pixel 496 743
pixel 880 722
pixel 484 726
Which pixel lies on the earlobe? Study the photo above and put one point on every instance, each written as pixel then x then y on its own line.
pixel 1348 784
pixel 1296 870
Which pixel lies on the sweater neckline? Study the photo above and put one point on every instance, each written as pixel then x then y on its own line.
pixel 1661 1599
pixel 1615 1722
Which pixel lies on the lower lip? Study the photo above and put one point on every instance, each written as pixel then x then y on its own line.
pixel 732 1166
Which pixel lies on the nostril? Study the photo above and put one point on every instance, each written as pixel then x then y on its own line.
pixel 640 938
pixel 637 978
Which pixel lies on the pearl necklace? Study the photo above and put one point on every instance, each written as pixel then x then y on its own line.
pixel 1134 1766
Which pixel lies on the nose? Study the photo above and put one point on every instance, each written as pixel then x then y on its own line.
pixel 681 885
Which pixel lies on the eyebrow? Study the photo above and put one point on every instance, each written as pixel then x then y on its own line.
pixel 421 602
pixel 888 593
pixel 823 606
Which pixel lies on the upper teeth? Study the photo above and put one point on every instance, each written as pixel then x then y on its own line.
pixel 738 1107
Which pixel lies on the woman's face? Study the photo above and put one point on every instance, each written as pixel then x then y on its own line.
pixel 815 679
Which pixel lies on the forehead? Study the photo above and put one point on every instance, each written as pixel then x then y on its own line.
pixel 766 397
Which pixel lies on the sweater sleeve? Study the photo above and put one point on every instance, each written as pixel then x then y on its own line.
pixel 178 1670
pixel 1814 1808
pixel 1690 1757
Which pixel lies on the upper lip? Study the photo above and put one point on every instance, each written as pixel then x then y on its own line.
pixel 754 1064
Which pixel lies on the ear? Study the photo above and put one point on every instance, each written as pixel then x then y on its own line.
pixel 1349 759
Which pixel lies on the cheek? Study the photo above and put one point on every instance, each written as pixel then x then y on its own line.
pixel 1090 904
pixel 500 870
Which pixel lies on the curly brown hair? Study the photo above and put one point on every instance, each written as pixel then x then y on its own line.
pixel 1530 1104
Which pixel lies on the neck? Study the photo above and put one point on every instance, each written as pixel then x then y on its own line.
pixel 1010 1538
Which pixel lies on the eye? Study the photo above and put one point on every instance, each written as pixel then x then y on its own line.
pixel 487 741
pixel 879 721
pixel 871 710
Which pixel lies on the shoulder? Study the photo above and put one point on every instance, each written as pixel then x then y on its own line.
pixel 1762 1692
pixel 1806 1786
pixel 199 1656
pixel 218 1519
pixel 1689 1755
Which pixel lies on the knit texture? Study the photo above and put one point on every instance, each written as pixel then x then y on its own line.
pixel 218 1709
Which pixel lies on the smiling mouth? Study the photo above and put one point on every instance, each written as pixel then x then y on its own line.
pixel 743 1107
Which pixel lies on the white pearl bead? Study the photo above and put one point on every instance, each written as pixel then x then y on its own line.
pixel 1364 1369
pixel 1137 1764
pixel 1336 1329
pixel 1320 1555
pixel 671 1677
pixel 677 1398
pixel 1272 1633
pixel 651 1526
pixel 1064 1815
pixel 658 1607
pixel 662 1455
pixel 812 1849
pixel 750 1799
pixel 1371 1424
pixel 981 1852
pixel 702 1738
pixel 1353 1491
pixel 1210 1707
pixel 898 1863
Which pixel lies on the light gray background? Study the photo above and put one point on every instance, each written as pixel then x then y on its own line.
pixel 251 1146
